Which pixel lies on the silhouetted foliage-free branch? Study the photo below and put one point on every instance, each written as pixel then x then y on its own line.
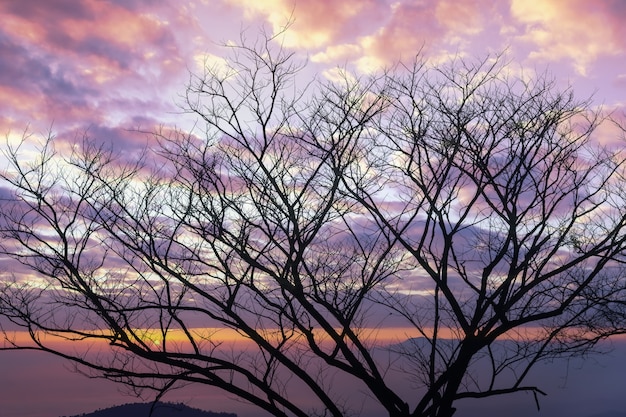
pixel 473 208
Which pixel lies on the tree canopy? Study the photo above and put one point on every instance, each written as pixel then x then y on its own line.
pixel 466 203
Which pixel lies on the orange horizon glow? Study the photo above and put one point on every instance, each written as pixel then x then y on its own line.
pixel 232 338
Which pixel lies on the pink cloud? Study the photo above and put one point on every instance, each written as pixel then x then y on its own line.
pixel 576 30
pixel 436 28
pixel 81 64
pixel 464 17
pixel 316 24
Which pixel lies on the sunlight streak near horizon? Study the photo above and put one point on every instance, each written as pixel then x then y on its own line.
pixel 232 339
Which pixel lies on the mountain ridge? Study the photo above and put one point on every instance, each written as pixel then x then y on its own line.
pixel 161 409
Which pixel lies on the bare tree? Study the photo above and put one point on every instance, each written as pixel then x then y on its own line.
pixel 471 206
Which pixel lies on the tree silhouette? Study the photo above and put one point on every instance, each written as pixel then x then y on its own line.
pixel 472 207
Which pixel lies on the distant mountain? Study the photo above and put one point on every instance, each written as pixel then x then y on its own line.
pixel 160 410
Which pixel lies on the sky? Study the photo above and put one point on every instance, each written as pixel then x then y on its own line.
pixel 111 67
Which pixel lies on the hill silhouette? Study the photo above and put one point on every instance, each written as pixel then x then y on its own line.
pixel 160 410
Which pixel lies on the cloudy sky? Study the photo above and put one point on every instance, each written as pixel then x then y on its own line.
pixel 111 66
